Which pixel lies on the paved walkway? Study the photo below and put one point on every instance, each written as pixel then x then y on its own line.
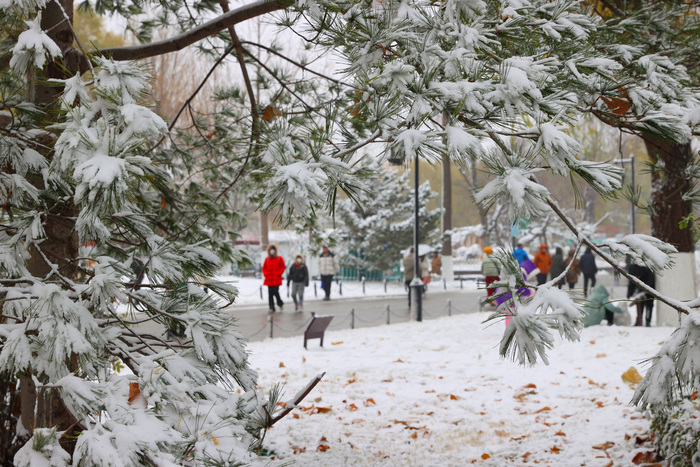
pixel 255 324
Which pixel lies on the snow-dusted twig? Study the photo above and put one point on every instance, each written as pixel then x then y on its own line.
pixel 294 402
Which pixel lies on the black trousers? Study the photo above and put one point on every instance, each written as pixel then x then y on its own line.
pixel 586 278
pixel 645 307
pixel 272 294
pixel 327 281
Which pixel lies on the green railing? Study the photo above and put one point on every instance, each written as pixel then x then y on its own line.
pixel 356 274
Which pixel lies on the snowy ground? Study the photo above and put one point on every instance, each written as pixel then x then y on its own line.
pixel 437 394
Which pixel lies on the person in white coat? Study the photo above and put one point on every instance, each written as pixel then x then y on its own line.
pixel 327 267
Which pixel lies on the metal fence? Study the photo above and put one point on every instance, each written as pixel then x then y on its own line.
pixel 356 319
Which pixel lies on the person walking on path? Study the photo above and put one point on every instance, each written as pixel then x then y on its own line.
pixel 589 270
pixel 558 266
pixel 543 261
pixel 436 264
pixel 298 275
pixel 409 271
pixel 490 270
pixel 574 269
pixel 643 300
pixel 520 254
pixel 273 269
pixel 327 267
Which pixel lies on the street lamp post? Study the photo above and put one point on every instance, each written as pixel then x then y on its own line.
pixel 416 285
pixel 417 282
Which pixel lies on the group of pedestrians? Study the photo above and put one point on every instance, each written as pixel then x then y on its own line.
pixel 273 270
pixel 555 266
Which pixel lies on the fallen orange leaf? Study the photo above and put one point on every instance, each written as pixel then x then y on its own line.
pixel 454 398
pixel 559 433
pixel 337 343
pixel 531 385
pixel 323 447
pixel 501 433
pixel 543 409
pixel 134 391
pixel 604 446
pixel 555 450
pixel 485 456
pixel 352 407
pixel 599 404
pixel 631 376
pixel 369 401
pixel 399 361
pixel 600 355
pixel 281 364
pixel 645 457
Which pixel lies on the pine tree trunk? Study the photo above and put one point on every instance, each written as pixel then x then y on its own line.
pixel 669 185
pixel 60 247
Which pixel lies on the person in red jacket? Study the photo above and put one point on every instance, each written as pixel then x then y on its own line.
pixel 273 269
pixel 543 261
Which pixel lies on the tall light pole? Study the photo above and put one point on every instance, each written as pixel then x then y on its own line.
pixel 416 285
pixel 417 282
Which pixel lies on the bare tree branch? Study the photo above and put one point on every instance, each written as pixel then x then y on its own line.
pixel 198 33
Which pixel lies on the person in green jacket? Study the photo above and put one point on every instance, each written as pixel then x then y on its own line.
pixel 598 307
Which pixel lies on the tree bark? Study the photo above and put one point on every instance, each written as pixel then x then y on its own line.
pixel 45 409
pixel 670 183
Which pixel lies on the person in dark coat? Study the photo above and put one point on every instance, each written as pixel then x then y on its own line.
pixel 643 300
pixel 589 270
pixel 558 266
pixel 298 275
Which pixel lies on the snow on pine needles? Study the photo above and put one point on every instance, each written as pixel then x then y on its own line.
pixel 436 393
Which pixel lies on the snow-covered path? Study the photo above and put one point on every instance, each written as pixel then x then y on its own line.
pixel 436 393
